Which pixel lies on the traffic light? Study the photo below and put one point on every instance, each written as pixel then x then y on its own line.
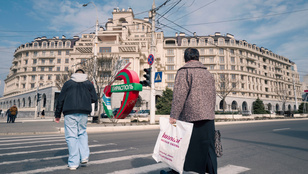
pixel 147 76
pixel 39 97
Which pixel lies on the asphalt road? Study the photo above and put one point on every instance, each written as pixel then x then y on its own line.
pixel 265 147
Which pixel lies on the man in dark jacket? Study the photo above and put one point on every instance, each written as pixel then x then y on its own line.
pixel 13 112
pixel 75 101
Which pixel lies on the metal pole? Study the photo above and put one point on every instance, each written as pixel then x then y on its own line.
pixel 36 103
pixel 294 87
pixel 152 108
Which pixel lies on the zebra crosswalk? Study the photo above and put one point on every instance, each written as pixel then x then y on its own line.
pixel 48 154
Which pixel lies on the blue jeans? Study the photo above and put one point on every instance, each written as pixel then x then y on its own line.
pixel 76 137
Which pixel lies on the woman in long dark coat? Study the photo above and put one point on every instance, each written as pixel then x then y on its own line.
pixel 194 98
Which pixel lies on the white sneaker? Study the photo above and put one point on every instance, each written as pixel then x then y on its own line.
pixel 85 161
pixel 73 168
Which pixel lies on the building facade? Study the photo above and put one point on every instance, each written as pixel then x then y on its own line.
pixel 243 70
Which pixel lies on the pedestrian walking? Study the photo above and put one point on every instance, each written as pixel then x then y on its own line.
pixel 75 101
pixel 8 114
pixel 43 114
pixel 13 112
pixel 194 98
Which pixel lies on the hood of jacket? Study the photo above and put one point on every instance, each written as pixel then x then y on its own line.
pixel 193 64
pixel 78 77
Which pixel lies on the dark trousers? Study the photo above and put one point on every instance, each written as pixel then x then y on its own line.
pixel 8 119
pixel 13 117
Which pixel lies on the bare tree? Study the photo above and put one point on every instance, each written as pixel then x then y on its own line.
pixel 62 78
pixel 225 85
pixel 105 67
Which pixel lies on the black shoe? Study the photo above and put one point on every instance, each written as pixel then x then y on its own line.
pixel 169 172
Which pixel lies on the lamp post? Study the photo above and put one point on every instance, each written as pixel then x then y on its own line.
pixel 95 50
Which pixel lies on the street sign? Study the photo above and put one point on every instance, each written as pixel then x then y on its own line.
pixel 158 76
pixel 150 59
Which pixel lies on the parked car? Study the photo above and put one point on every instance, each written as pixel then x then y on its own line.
pixel 132 113
pixel 104 115
pixel 143 113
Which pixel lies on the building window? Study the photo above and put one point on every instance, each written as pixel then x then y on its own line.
pixel 243 85
pixel 24 86
pixel 170 85
pixel 52 44
pixel 51 53
pixel 170 52
pixel 222 59
pixel 233 85
pixel 222 67
pixel 222 77
pixel 67 52
pixel 35 54
pixel 68 44
pixel 33 77
pixel 211 59
pixel 42 68
pixel 59 53
pixel 232 59
pixel 202 51
pixel 104 49
pixel 211 67
pixel 33 68
pixel 66 60
pixel 170 67
pixel 66 68
pixel 44 45
pixel 58 60
pixel 232 67
pixel 43 53
pixel 50 61
pixel 43 61
pixel 170 60
pixel 32 86
pixel 49 77
pixel 50 69
pixel 211 51
pixel 41 77
pixel 232 51
pixel 60 44
pixel 26 62
pixel 27 54
pixel 233 76
pixel 221 51
pixel 202 59
pixel 170 76
pixel 25 77
pixel 58 77
pixel 58 68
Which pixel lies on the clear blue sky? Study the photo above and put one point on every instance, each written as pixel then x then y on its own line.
pixel 278 25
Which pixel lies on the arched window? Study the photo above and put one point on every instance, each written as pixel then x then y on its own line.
pixel 221 104
pixel 52 44
pixel 67 44
pixel 23 102
pixel 244 106
pixel 269 107
pixel 289 107
pixel 234 105
pixel 29 102
pixel 138 102
pixel 277 107
pixel 44 44
pixel 60 44
pixel 184 42
pixel 221 41
pixel 44 100
pixel 18 103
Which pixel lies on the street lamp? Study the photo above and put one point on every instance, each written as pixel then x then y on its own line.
pixel 95 41
pixel 95 50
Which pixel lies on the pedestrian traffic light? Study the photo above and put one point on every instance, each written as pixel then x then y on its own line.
pixel 39 97
pixel 147 76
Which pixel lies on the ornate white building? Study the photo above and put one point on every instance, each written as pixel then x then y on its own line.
pixel 251 71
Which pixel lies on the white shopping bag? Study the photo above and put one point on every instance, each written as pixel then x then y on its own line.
pixel 172 143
